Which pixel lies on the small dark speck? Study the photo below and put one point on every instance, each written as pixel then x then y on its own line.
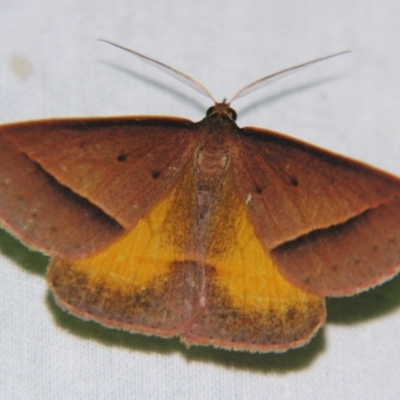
pixel 258 189
pixel 155 174
pixel 294 181
pixel 291 314
pixel 335 267
pixel 122 157
pixel 356 261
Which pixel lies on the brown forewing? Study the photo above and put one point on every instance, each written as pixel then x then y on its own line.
pixel 296 188
pixel 117 168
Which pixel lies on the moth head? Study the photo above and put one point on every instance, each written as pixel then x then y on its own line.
pixel 222 109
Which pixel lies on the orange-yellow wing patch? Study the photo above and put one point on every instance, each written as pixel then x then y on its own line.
pixel 142 282
pixel 247 304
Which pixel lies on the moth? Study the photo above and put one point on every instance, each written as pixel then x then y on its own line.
pixel 224 236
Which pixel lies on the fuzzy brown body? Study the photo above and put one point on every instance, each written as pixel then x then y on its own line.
pixel 212 158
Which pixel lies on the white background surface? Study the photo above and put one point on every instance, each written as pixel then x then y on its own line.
pixel 349 105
